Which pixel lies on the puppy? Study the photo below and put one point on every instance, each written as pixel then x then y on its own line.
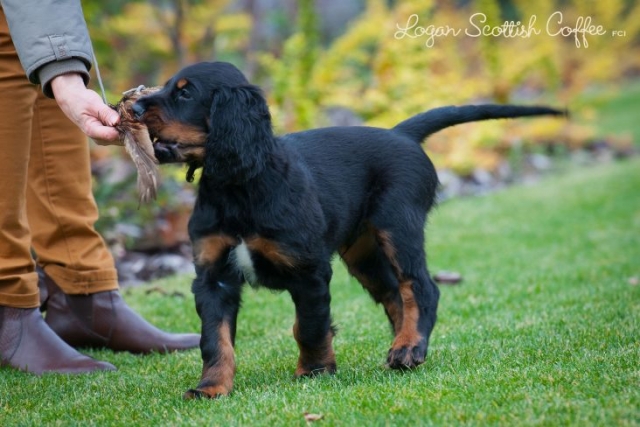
pixel 272 211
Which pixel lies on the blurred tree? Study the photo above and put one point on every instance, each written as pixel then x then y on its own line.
pixel 296 101
pixel 144 42
pixel 309 60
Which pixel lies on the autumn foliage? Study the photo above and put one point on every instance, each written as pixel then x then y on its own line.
pixel 380 76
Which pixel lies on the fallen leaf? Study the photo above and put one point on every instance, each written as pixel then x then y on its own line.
pixel 312 417
pixel 447 277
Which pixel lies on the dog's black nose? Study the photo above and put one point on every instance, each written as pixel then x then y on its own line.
pixel 138 109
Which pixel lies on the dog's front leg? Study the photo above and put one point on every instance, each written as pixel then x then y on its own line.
pixel 313 330
pixel 217 303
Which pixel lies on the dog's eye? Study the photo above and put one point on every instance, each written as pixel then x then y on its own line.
pixel 184 94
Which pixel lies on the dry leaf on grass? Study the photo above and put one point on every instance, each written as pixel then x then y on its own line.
pixel 138 143
pixel 309 418
pixel 447 277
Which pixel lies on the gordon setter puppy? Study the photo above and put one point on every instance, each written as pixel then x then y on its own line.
pixel 272 211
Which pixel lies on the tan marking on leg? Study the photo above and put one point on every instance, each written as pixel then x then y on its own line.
pixel 408 336
pixel 271 251
pixel 386 243
pixel 217 379
pixel 361 248
pixel 394 312
pixel 391 306
pixel 208 250
pixel 364 245
pixel 323 356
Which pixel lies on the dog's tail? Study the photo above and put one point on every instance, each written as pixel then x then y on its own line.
pixel 422 125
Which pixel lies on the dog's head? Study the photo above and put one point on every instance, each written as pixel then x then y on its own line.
pixel 208 115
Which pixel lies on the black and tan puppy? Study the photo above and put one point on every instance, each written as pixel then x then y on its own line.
pixel 272 211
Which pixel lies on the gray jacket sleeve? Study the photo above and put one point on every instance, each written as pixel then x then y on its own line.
pixel 51 38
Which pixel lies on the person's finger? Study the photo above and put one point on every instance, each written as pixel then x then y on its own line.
pixel 108 116
pixel 104 135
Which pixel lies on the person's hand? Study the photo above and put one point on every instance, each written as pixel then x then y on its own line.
pixel 86 109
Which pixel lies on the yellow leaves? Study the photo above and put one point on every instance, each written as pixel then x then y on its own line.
pixel 540 129
pixel 540 8
pixel 461 159
pixel 234 22
pixel 206 12
pixel 386 79
pixel 294 96
pixel 137 20
pixel 145 40
pixel 133 20
pixel 632 22
pixel 467 147
pixel 575 135
pixel 356 45
pixel 406 8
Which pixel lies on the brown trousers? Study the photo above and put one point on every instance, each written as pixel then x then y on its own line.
pixel 46 203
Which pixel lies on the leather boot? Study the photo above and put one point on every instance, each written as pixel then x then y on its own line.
pixel 103 319
pixel 28 344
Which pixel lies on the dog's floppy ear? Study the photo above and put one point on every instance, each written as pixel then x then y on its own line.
pixel 240 135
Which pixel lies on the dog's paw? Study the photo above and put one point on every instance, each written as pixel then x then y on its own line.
pixel 315 369
pixel 205 393
pixel 407 356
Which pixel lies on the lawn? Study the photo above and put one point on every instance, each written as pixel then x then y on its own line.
pixel 544 330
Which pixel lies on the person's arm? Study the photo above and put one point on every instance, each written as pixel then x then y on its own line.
pixel 54 48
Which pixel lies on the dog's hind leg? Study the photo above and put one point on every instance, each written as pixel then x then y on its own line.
pixel 404 250
pixel 419 296
pixel 313 330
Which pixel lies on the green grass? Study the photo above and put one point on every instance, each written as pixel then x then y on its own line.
pixel 544 330
pixel 617 109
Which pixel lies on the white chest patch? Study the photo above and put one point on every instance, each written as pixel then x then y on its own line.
pixel 241 258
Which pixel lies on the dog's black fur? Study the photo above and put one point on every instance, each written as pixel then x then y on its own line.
pixel 273 211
